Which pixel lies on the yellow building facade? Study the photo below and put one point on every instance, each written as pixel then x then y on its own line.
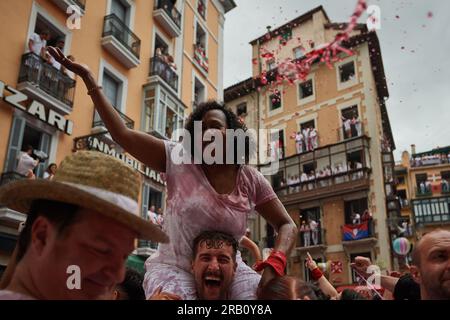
pixel 358 153
pixel 155 60
pixel 422 188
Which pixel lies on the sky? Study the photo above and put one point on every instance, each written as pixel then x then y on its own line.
pixel 415 46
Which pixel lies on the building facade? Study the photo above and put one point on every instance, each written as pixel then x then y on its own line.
pixel 423 191
pixel 346 166
pixel 155 60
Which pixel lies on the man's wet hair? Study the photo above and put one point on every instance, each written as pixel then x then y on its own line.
pixel 215 240
pixel 132 285
pixel 349 294
pixel 61 215
pixel 232 123
pixel 287 288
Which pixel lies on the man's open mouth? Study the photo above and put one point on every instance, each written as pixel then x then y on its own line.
pixel 213 282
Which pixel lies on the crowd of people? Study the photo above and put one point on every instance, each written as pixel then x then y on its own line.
pixel 306 181
pixel 37 44
pixel 432 159
pixel 164 65
pixel 63 251
pixel 306 140
pixel 350 124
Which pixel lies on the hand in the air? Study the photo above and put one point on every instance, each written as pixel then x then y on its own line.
pixel 310 263
pixel 77 68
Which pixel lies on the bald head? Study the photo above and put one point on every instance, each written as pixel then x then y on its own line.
pixel 430 237
pixel 431 265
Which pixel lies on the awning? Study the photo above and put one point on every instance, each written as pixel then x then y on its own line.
pixel 137 263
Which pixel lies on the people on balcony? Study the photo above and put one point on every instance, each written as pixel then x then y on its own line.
pixel 313 139
pixel 445 185
pixel 38 42
pixel 357 124
pixel 428 186
pixel 299 142
pixel 347 127
pixel 356 218
pixel 314 227
pixel 431 159
pixel 26 163
pixel 305 232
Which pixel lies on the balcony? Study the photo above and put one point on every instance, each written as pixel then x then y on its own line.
pixel 64 4
pixel 98 125
pixel 310 241
pixel 361 235
pixel 121 42
pixel 319 188
pixel 423 192
pixel 159 68
pixel 146 248
pixel 42 82
pixel 356 130
pixel 168 16
pixel 200 57
pixel 432 211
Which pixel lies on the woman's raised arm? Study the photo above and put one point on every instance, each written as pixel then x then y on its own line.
pixel 144 147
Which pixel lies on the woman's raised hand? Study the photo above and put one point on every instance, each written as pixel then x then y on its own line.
pixel 77 68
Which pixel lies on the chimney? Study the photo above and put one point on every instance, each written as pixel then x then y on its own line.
pixel 413 149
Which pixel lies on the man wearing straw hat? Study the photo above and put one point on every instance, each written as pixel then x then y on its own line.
pixel 81 227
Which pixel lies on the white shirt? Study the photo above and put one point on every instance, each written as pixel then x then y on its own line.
pixel 347 123
pixel 299 138
pixel 313 225
pixel 38 44
pixel 304 177
pixel 26 163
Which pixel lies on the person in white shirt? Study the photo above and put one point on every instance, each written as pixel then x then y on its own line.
pixel 311 177
pixel 305 231
pixel 306 137
pixel 38 42
pixel 313 226
pixel 313 138
pixel 152 215
pixel 303 179
pixel 428 186
pixel 299 142
pixel 50 172
pixel 356 218
pixel 347 127
pixel 26 163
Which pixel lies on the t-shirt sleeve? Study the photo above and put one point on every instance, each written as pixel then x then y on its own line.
pixel 34 37
pixel 263 191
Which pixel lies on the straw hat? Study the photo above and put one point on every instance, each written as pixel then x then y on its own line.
pixel 91 180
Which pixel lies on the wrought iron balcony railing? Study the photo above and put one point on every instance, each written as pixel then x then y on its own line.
pixel 98 122
pixel 115 27
pixel 35 70
pixel 169 8
pixel 160 68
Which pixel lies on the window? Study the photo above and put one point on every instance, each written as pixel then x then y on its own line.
pixel 111 88
pixel 120 10
pixel 149 111
pixel 200 47
pixel 354 206
pixel 241 109
pixel 25 134
pixel 271 64
pixel 308 124
pixel 308 167
pixel 171 115
pixel 445 181
pixel 275 101
pixel 299 52
pixel 347 72
pixel 161 45
pixel 306 89
pixel 351 123
pixel 276 147
pixel 55 34
pixel 355 277
pixel 199 92
pixel 401 180
pixel 286 35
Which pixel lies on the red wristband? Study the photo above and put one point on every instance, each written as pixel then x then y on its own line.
pixel 276 260
pixel 316 274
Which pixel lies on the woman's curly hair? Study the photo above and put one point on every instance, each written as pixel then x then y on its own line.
pixel 233 123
